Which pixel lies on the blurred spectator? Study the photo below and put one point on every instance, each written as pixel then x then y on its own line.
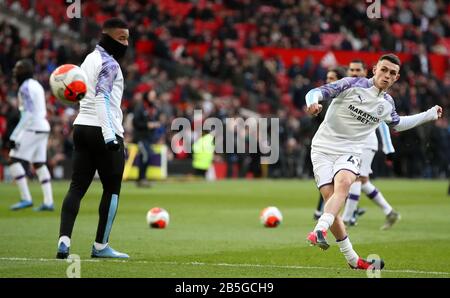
pixel 145 123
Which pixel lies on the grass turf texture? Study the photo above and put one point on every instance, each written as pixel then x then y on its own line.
pixel 215 232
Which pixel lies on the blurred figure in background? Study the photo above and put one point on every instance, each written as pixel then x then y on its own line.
pixel 203 154
pixel 145 122
pixel 28 141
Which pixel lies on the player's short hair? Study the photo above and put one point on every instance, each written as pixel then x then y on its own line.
pixel 114 23
pixel 391 58
pixel 363 64
pixel 26 65
pixel 339 71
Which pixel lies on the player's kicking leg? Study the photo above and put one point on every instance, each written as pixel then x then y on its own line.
pixel 331 220
pixel 334 195
pixel 334 176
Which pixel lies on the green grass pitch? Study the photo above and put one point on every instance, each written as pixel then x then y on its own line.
pixel 215 232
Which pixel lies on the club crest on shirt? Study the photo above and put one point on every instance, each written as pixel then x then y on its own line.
pixel 380 110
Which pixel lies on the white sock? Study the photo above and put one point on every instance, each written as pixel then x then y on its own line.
pixel 18 172
pixel 46 185
pixel 100 246
pixel 65 240
pixel 377 197
pixel 352 201
pixel 324 222
pixel 346 248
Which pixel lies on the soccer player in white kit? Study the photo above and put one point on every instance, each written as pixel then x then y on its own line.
pixel 357 68
pixel 357 108
pixel 28 141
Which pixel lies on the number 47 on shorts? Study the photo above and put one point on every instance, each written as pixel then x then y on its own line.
pixel 356 161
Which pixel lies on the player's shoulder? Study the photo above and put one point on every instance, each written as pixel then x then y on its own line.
pixel 357 82
pixel 347 84
pixel 106 58
pixel 93 59
pixel 30 85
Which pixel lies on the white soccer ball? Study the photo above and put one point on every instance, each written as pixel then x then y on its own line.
pixel 158 218
pixel 271 217
pixel 68 83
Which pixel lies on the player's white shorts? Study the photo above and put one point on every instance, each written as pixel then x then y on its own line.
pixel 32 147
pixel 326 166
pixel 366 162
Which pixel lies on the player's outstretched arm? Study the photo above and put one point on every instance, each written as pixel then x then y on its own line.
pixel 408 122
pixel 328 92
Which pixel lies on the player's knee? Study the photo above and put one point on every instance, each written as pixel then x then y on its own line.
pixel 343 181
pixel 79 186
pixel 112 184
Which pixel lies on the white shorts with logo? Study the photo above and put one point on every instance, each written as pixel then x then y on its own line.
pixel 326 166
pixel 366 162
pixel 31 146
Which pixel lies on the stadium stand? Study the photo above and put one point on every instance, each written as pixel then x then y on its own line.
pixel 229 55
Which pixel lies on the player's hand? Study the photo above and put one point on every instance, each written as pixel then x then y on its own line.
pixel 439 111
pixel 314 109
pixel 113 145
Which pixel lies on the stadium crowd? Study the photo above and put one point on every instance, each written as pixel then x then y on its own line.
pixel 228 78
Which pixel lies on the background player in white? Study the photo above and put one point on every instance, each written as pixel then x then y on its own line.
pixel 28 141
pixel 358 107
pixel 357 68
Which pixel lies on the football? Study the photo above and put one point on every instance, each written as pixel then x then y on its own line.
pixel 68 83
pixel 271 217
pixel 158 218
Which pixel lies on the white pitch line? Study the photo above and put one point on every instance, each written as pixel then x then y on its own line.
pixel 216 264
